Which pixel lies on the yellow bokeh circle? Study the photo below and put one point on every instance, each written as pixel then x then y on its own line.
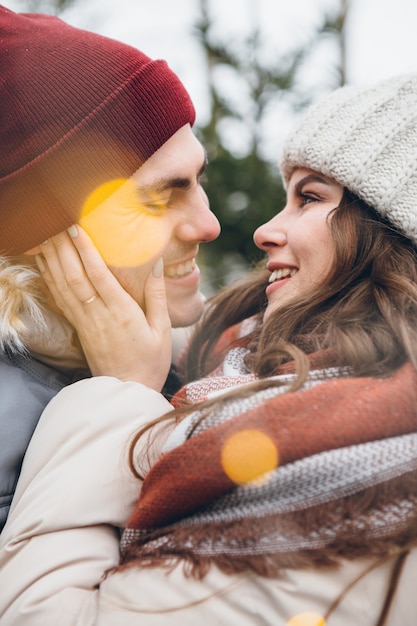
pixel 247 455
pixel 128 225
pixel 101 194
pixel 307 619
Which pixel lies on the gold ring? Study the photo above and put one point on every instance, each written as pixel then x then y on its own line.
pixel 90 300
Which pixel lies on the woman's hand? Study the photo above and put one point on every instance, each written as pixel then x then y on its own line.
pixel 117 337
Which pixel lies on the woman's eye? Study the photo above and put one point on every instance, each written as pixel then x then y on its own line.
pixel 307 198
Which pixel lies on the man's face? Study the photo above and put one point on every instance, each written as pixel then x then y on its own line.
pixel 161 211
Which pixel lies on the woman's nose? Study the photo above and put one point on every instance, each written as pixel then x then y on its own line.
pixel 270 234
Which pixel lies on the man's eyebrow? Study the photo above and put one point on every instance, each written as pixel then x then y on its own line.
pixel 162 184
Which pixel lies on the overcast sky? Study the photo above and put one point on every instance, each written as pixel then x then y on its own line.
pixel 381 36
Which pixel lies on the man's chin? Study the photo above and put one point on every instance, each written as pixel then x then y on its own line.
pixel 186 312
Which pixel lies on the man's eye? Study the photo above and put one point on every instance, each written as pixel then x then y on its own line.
pixel 154 207
pixel 151 202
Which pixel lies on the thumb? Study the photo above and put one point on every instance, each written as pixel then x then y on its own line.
pixel 156 305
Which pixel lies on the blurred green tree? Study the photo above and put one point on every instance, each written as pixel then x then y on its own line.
pixel 246 190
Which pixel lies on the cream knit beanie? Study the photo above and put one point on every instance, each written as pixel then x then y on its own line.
pixel 366 139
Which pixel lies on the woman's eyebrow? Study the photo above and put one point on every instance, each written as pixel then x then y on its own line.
pixel 310 178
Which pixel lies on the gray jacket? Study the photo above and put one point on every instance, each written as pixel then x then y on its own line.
pixel 39 354
pixel 26 386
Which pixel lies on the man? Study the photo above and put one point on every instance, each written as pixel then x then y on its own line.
pixel 92 132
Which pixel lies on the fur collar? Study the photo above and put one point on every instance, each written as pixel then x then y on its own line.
pixel 22 304
pixel 28 325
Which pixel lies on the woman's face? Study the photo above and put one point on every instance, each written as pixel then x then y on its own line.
pixel 297 240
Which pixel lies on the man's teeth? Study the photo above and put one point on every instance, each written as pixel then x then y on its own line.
pixel 282 273
pixel 180 270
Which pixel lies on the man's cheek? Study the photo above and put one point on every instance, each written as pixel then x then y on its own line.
pixel 125 231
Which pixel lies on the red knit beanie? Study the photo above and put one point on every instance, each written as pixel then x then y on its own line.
pixel 76 110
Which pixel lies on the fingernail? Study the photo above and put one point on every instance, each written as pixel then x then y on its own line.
pixel 158 268
pixel 40 263
pixel 73 231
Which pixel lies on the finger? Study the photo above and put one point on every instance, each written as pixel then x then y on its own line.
pixel 99 275
pixel 46 275
pixel 156 306
pixel 65 274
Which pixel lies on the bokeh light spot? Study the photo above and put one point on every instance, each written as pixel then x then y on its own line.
pixel 101 194
pixel 127 224
pixel 307 619
pixel 248 455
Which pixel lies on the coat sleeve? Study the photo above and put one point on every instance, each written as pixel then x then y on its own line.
pixel 74 491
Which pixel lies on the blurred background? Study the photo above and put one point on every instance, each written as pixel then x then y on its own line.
pixel 251 67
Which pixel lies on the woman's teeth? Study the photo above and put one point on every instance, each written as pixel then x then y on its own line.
pixel 282 273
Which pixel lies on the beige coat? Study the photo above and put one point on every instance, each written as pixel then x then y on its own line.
pixel 75 491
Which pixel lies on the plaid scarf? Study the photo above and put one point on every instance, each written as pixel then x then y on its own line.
pixel 274 479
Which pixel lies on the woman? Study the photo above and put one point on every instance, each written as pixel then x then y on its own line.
pixel 286 493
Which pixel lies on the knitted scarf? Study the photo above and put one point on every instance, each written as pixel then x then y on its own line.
pixel 278 479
